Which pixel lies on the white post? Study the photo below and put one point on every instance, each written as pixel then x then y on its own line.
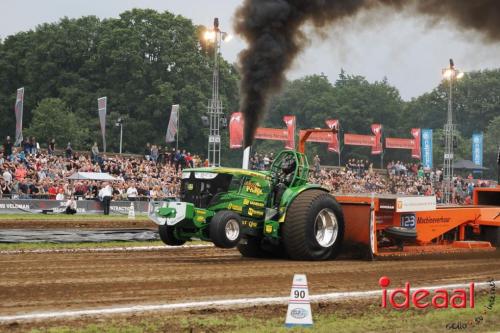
pixel 121 137
pixel 246 157
pixel 177 132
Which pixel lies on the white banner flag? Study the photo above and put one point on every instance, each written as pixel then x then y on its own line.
pixel 18 110
pixel 172 124
pixel 102 104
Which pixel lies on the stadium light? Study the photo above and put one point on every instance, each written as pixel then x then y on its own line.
pixel 450 74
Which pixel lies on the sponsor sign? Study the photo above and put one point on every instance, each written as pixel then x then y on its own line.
pixel 386 204
pixel 287 134
pixel 477 148
pixel 427 148
pixel 236 130
pixel 14 206
pixel 415 204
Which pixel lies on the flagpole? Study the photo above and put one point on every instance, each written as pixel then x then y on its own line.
pixel 177 132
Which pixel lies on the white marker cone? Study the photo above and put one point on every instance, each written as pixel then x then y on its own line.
pixel 299 306
pixel 131 212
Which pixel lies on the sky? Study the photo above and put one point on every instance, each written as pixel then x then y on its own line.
pixel 407 50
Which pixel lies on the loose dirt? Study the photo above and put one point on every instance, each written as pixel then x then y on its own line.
pixel 65 281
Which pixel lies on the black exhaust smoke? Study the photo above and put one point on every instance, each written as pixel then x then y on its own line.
pixel 272 29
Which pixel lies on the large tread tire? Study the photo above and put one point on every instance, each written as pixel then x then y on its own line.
pixel 217 229
pixel 167 236
pixel 298 229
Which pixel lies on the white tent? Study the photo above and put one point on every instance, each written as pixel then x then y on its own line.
pixel 93 176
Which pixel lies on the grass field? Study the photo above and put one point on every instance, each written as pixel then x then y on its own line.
pixel 354 317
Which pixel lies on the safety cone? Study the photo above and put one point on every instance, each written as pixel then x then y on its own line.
pixel 131 212
pixel 299 306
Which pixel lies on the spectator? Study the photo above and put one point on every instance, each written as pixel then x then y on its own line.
pixel 60 194
pixel 51 147
pixel 94 153
pixel 132 192
pixel 7 148
pixel 71 206
pixel 69 151
pixel 105 195
pixel 147 152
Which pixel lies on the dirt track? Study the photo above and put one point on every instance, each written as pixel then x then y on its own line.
pixel 57 281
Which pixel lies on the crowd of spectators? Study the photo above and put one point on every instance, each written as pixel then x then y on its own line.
pixel 42 174
pixel 30 172
pixel 358 176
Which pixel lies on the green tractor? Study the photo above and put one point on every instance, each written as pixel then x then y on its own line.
pixel 276 213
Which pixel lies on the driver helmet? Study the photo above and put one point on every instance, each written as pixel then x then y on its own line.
pixel 288 164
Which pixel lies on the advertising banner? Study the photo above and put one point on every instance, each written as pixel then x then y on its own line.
pixel 172 124
pixel 427 148
pixel 102 104
pixel 325 137
pixel 13 206
pixel 236 130
pixel 279 134
pixel 290 125
pixel 377 148
pixel 359 140
pixel 477 148
pixel 18 110
pixel 415 152
pixel 398 143
pixel 334 144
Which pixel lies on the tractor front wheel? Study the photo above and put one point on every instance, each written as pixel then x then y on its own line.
pixel 225 229
pixel 314 227
pixel 167 236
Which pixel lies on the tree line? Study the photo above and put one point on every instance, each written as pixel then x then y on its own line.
pixel 144 61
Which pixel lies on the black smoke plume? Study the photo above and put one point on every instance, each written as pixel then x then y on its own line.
pixel 272 29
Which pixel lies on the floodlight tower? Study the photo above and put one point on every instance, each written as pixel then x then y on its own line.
pixel 216 36
pixel 451 74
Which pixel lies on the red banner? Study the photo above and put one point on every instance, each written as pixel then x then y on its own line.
pixel 325 137
pixel 334 144
pixel 271 134
pixel 359 140
pixel 398 143
pixel 280 134
pixel 374 141
pixel 413 144
pixel 377 148
pixel 236 130
pixel 415 152
pixel 290 125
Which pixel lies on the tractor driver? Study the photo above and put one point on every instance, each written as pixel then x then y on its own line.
pixel 284 178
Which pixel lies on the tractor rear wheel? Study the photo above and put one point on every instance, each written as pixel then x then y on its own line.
pixel 225 229
pixel 167 236
pixel 314 227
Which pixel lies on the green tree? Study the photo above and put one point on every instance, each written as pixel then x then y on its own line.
pixel 53 120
